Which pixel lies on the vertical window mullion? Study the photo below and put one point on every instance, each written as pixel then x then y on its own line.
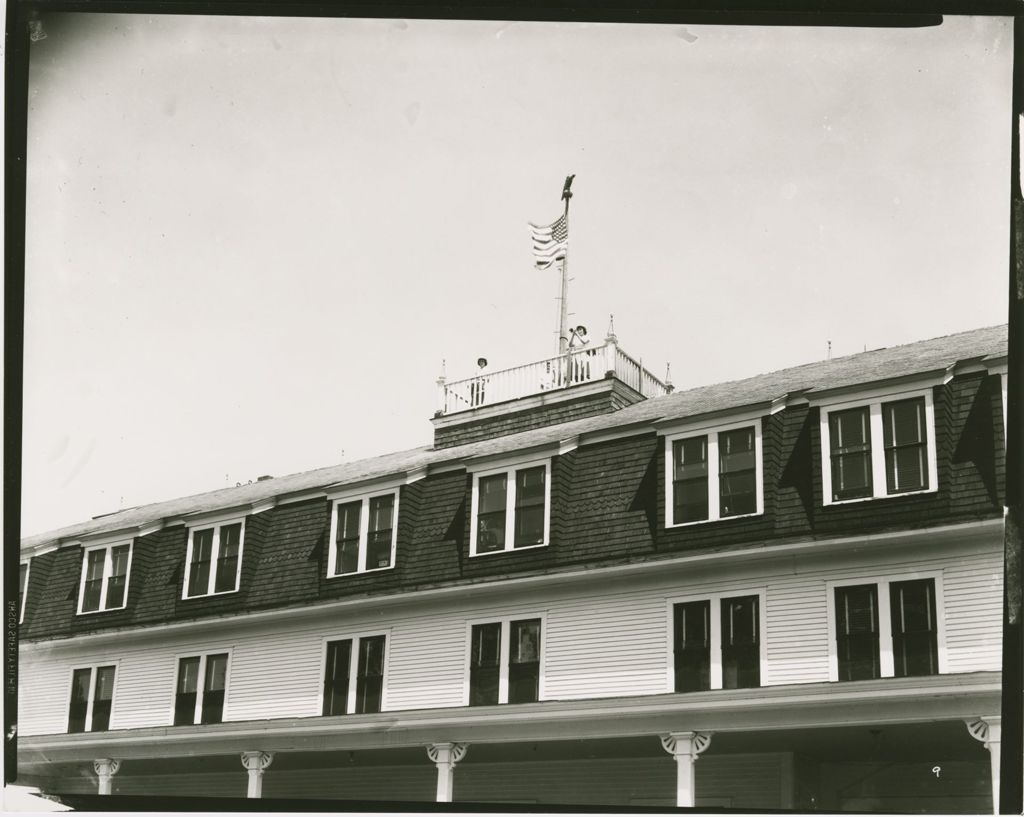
pixel 93 674
pixel 878 476
pixel 505 656
pixel 108 570
pixel 211 583
pixel 364 535
pixel 714 501
pixel 510 508
pixel 886 661
pixel 715 645
pixel 197 715
pixel 353 674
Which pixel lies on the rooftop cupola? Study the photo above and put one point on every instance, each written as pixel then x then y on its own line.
pixel 583 379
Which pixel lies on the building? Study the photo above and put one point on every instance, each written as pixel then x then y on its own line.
pixel 778 592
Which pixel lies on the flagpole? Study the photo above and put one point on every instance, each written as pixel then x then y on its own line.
pixel 563 318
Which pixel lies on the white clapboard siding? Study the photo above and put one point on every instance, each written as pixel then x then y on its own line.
pixel 601 639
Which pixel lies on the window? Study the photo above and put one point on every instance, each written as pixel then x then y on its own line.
pixel 878 449
pixel 104 583
pixel 354 659
pixel 213 563
pixel 510 509
pixel 505 662
pixel 199 693
pixel 714 474
pixel 717 643
pixel 886 628
pixel 22 590
pixel 363 534
pixel 92 695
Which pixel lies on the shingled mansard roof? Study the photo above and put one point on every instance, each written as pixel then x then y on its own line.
pixel 860 369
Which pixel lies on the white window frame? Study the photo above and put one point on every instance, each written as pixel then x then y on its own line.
pixel 886 662
pixel 364 529
pixel 200 683
pixel 509 468
pixel 715 620
pixel 712 430
pixel 216 525
pixel 505 648
pixel 353 667
pixel 93 676
pixel 24 595
pixel 108 567
pixel 873 402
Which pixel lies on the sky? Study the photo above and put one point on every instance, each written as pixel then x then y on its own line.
pixel 251 242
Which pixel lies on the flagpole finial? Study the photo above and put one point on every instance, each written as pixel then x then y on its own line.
pixel 610 337
pixel 566 192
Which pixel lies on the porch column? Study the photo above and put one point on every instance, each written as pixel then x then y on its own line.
pixel 988 730
pixel 684 747
pixel 445 756
pixel 105 768
pixel 256 763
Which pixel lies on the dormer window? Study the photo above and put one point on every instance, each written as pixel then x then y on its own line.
pixel 364 533
pixel 511 508
pixel 713 473
pixel 213 561
pixel 104 581
pixel 879 448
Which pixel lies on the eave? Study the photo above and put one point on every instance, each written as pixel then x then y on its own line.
pixel 803 706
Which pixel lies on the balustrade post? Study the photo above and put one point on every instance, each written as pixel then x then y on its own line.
pixel 685 747
pixel 105 768
pixel 256 763
pixel 989 730
pixel 445 756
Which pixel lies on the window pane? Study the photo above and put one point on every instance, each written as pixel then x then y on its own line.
pixel 914 633
pixel 690 479
pixel 339 657
pixel 80 682
pixel 490 530
pixel 529 520
pixel 93 580
pixel 118 577
pixel 692 643
pixel 103 697
pixel 370 679
pixel 199 571
pixel 484 664
pixel 524 662
pixel 906 462
pixel 737 467
pixel 850 433
pixel 741 654
pixel 381 532
pixel 347 541
pixel 214 684
pixel 857 632
pixel 227 558
pixel 22 587
pixel 188 688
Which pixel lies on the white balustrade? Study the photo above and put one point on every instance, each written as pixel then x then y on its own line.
pixel 573 368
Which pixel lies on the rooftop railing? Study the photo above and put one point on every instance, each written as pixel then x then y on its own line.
pixel 577 366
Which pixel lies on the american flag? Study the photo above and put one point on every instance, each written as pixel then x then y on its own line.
pixel 550 242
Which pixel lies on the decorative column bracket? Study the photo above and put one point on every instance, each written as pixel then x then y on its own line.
pixel 256 763
pixel 105 768
pixel 445 756
pixel 685 748
pixel 988 730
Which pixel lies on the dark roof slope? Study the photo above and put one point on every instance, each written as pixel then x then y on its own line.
pixel 862 368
